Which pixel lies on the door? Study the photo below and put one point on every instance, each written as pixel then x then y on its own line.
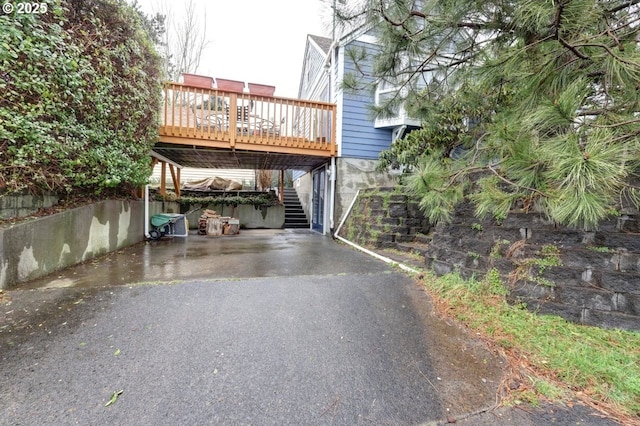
pixel 317 216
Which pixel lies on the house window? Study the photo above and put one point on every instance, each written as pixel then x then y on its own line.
pixel 386 92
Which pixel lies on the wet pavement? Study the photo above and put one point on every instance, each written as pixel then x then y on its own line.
pixel 267 327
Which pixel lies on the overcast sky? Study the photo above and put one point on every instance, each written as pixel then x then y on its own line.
pixel 258 41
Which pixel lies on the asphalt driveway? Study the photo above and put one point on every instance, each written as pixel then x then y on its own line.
pixel 268 327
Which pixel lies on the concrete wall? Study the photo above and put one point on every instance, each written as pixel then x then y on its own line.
pixel 38 247
pixel 354 174
pixel 251 217
pixel 25 205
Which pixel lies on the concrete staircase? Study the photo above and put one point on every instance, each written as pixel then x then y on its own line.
pixel 294 215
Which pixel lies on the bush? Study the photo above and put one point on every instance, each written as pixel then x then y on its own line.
pixel 81 93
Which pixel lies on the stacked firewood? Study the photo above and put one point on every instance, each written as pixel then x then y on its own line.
pixel 204 217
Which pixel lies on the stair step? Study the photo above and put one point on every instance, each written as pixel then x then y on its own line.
pixel 296 220
pixel 294 215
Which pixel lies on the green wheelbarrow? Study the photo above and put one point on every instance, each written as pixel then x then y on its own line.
pixel 162 224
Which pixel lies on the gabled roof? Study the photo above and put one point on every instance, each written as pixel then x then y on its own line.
pixel 324 43
pixel 321 44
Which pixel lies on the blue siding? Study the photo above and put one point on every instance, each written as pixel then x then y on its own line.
pixel 360 139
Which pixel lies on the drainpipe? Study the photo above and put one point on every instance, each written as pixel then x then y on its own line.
pixel 367 251
pixel 344 216
pixel 146 211
pixel 332 195
pixel 332 46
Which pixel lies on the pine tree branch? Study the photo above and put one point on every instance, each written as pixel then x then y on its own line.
pixel 403 22
pixel 609 51
pixel 573 49
pixel 557 23
pixel 591 112
pixel 622 6
pixel 502 178
pixel 626 137
pixel 610 126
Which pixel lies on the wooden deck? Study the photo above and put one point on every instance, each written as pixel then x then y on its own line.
pixel 211 118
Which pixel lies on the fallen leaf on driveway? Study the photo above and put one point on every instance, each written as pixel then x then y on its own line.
pixel 114 397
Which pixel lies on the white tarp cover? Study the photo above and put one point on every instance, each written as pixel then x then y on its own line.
pixel 212 183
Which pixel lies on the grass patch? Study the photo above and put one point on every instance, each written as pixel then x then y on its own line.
pixel 596 364
pixel 601 249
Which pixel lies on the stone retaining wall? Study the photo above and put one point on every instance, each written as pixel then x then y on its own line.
pixel 586 277
pixel 382 217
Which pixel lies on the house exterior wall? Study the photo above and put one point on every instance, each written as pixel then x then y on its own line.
pixel 358 136
pixel 359 141
pixel 314 76
pixel 304 185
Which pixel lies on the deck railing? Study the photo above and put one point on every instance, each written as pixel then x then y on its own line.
pixel 247 121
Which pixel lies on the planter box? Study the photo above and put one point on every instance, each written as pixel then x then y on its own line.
pixel 195 80
pixel 230 85
pixel 261 89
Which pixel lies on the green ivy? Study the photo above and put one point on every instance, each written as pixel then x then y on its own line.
pixel 254 200
pixel 81 91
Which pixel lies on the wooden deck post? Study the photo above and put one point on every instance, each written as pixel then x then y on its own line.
pixel 233 119
pixel 163 179
pixel 175 178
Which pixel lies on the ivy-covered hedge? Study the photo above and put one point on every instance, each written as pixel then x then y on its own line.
pixel 229 200
pixel 80 92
